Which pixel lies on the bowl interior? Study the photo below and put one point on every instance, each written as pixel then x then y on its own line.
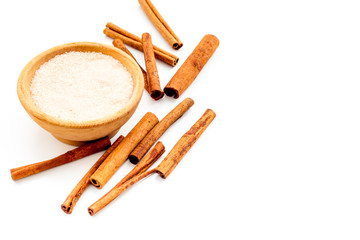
pixel 27 75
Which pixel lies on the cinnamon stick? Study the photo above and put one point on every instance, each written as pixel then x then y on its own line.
pixel 159 130
pixel 134 41
pixel 143 165
pixel 152 73
pixel 159 22
pixel 184 144
pixel 192 66
pixel 166 166
pixel 70 156
pixel 120 44
pixel 119 155
pixel 76 193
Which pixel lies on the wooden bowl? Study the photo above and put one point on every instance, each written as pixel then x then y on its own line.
pixel 75 133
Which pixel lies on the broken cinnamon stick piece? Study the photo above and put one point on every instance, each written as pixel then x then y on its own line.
pixel 119 44
pixel 192 66
pixel 76 193
pixel 70 156
pixel 119 155
pixel 143 165
pixel 152 73
pixel 159 22
pixel 166 166
pixel 113 31
pixel 159 130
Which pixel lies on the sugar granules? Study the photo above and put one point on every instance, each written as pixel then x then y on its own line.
pixel 81 86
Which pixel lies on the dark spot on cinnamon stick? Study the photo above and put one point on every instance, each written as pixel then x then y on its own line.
pixel 91 212
pixel 70 154
pixel 133 159
pixel 197 64
pixel 66 210
pixel 95 183
pixel 161 174
pixel 202 124
pixel 156 95
pixel 171 92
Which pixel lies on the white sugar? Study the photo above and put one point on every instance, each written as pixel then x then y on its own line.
pixel 81 86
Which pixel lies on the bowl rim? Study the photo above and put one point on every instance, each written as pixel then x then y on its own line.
pixel 35 111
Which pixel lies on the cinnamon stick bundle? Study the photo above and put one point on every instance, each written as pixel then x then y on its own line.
pixel 192 66
pixel 70 156
pixel 143 165
pixel 76 193
pixel 152 73
pixel 119 44
pixel 134 41
pixel 159 130
pixel 166 166
pixel 119 155
pixel 159 22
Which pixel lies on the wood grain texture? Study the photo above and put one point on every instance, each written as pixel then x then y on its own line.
pixel 73 132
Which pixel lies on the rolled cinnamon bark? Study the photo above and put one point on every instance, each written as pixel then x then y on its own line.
pixel 166 166
pixel 119 155
pixel 159 130
pixel 192 66
pixel 119 44
pixel 76 193
pixel 184 144
pixel 159 22
pixel 70 156
pixel 134 41
pixel 103 202
pixel 152 73
pixel 143 165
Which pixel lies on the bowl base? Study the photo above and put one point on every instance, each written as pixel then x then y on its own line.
pixel 79 143
pixel 70 142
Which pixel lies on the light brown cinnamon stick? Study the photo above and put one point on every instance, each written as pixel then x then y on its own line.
pixel 76 193
pixel 152 73
pixel 143 165
pixel 134 41
pixel 184 144
pixel 166 166
pixel 119 155
pixel 159 22
pixel 192 66
pixel 119 44
pixel 103 202
pixel 159 130
pixel 70 156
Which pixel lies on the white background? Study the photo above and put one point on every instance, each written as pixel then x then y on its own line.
pixel 280 160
